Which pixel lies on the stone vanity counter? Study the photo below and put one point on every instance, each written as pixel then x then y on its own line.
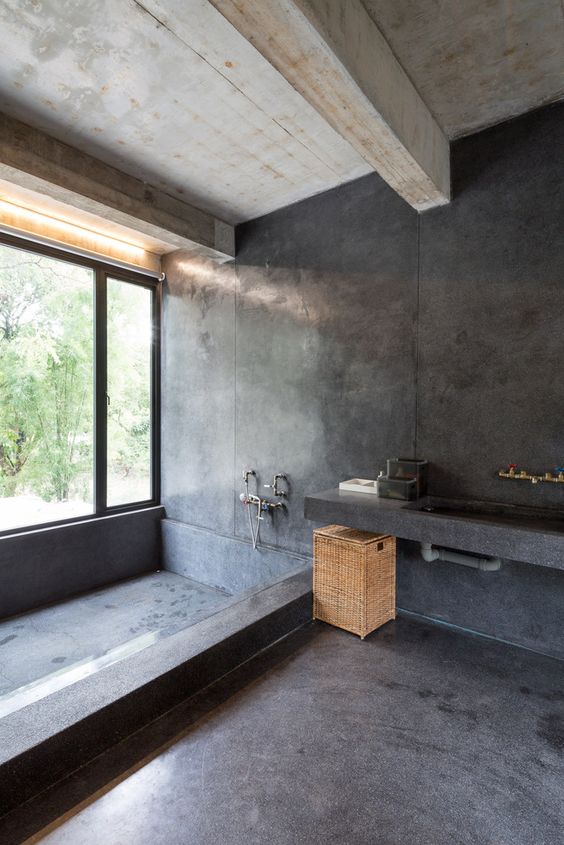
pixel 505 531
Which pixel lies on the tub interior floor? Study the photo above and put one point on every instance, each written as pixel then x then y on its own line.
pixel 47 649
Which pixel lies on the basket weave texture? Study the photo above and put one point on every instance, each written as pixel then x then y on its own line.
pixel 354 578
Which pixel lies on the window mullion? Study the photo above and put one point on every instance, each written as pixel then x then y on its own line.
pixel 101 394
pixel 156 395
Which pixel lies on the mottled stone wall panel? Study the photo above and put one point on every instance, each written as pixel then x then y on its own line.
pixel 491 349
pixel 519 604
pixel 44 566
pixel 301 361
pixel 326 310
pixel 490 375
pixel 198 389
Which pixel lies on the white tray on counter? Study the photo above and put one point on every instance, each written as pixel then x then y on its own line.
pixel 359 485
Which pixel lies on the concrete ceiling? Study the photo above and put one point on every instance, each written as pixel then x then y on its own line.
pixel 477 62
pixel 169 91
pixel 112 80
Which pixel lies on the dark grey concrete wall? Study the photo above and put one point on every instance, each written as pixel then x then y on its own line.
pixel 353 330
pixel 198 392
pixel 491 347
pixel 520 604
pixel 325 363
pixel 227 562
pixel 302 361
pixel 39 567
pixel 490 354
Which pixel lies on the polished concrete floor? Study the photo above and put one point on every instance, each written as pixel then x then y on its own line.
pixel 50 648
pixel 416 735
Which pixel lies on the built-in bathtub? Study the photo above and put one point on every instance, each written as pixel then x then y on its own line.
pixel 180 634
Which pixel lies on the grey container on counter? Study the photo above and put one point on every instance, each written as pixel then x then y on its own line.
pixel 409 469
pixel 406 479
pixel 397 488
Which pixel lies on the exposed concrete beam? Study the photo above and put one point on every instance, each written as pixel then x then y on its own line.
pixel 36 161
pixel 336 57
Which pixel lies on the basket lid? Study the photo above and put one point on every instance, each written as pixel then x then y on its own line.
pixel 351 535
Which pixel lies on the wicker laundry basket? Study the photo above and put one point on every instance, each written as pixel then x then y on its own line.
pixel 354 578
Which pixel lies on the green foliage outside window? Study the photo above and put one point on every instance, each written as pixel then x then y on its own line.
pixel 47 383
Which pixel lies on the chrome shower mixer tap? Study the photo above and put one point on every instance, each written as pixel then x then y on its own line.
pixel 252 500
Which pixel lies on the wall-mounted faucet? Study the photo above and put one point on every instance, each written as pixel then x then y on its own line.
pixel 262 505
pixel 274 486
pixel 522 475
pixel 267 506
pixel 246 474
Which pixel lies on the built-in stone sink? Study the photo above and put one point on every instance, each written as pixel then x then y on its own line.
pixel 492 529
pixel 536 519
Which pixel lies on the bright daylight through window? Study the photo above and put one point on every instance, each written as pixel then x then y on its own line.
pixel 53 462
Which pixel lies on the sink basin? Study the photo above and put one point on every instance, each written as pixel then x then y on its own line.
pixel 492 512
pixel 492 529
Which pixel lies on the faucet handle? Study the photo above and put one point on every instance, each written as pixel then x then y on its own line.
pixel 277 492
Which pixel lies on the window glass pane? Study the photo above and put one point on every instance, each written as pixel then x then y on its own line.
pixel 129 393
pixel 46 389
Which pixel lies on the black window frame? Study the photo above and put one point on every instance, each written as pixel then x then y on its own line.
pixel 102 271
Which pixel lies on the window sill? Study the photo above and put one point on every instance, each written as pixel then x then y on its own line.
pixel 79 520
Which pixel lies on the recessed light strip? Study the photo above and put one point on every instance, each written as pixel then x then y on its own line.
pixel 46 227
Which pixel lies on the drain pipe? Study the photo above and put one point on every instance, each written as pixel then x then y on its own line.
pixel 485 564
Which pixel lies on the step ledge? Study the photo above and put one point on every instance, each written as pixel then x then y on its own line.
pixel 50 738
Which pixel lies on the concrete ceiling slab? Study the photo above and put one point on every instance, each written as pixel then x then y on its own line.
pixel 169 92
pixel 476 63
pixel 339 61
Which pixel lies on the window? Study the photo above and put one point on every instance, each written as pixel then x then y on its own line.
pixel 78 387
pixel 129 392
